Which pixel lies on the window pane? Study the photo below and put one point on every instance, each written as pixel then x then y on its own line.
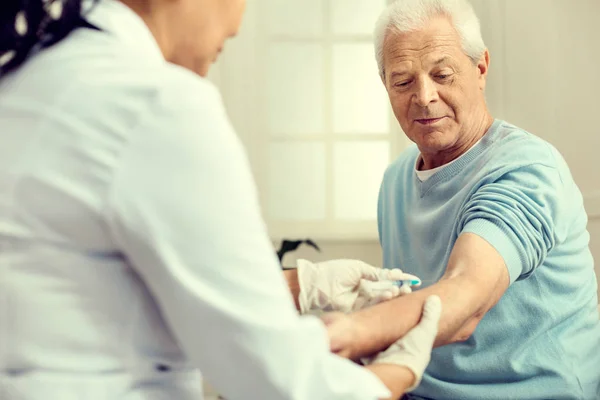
pixel 295 89
pixel 295 17
pixel 356 17
pixel 358 171
pixel 297 181
pixel 360 101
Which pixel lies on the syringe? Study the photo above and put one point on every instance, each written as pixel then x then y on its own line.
pixel 405 282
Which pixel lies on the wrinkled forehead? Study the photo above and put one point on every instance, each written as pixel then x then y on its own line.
pixel 427 46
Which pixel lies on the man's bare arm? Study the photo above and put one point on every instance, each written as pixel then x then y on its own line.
pixel 291 276
pixel 475 280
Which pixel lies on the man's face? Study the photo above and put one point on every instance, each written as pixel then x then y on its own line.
pixel 202 27
pixel 436 91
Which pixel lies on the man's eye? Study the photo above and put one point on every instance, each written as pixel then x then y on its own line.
pixel 402 84
pixel 442 76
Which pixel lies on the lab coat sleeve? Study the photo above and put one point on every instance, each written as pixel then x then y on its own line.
pixel 184 210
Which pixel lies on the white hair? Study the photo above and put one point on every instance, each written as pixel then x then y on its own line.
pixel 408 15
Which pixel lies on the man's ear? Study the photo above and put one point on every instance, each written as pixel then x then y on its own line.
pixel 483 66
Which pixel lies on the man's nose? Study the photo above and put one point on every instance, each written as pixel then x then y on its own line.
pixel 425 93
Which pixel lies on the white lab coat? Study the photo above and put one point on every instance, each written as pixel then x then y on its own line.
pixel 132 250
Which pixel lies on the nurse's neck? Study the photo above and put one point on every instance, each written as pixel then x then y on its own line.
pixel 165 21
pixel 156 19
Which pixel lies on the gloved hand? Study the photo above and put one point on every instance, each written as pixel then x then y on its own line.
pixel 346 285
pixel 413 351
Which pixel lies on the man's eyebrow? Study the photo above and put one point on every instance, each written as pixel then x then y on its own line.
pixel 401 72
pixel 398 73
pixel 441 60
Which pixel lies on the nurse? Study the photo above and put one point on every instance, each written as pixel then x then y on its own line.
pixel 132 249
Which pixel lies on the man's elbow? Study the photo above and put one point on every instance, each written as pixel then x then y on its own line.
pixel 464 332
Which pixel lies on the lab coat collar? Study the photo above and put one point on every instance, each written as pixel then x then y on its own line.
pixel 116 18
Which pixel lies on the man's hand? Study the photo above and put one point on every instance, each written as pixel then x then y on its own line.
pixel 346 285
pixel 344 333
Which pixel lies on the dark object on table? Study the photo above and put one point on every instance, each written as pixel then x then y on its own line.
pixel 291 245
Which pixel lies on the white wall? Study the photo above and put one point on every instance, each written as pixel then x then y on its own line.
pixel 544 78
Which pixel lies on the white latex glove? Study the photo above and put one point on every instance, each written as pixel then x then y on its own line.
pixel 413 351
pixel 346 285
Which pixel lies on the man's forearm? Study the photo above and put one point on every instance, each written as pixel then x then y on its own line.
pixel 475 280
pixel 385 323
pixel 291 275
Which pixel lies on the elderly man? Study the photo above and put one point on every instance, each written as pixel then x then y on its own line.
pixel 488 215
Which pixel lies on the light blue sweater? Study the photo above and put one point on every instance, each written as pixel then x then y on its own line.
pixel 542 340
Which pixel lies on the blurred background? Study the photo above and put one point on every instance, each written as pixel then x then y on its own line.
pixel 301 87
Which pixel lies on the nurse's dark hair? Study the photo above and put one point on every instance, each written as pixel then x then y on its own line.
pixel 28 25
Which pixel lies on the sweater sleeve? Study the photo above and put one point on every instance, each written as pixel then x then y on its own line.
pixel 518 214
